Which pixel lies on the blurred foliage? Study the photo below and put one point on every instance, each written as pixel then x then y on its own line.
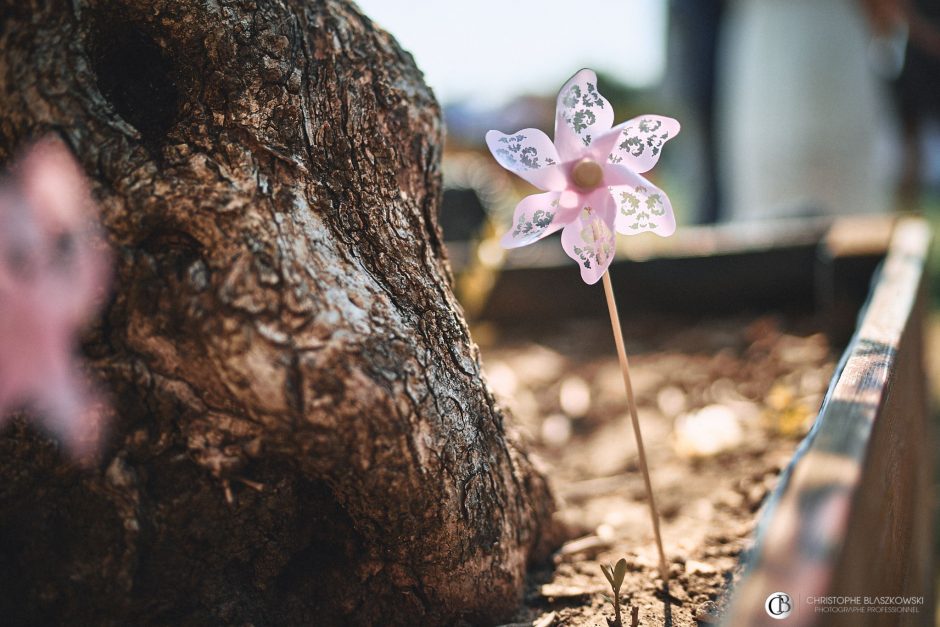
pixel 931 205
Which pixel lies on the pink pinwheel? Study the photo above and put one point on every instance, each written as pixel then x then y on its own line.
pixel 54 274
pixel 591 176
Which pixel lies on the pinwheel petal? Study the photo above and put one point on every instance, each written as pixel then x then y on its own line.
pixel 530 154
pixel 641 141
pixel 536 216
pixel 616 174
pixel 643 207
pixel 581 114
pixel 605 143
pixel 589 238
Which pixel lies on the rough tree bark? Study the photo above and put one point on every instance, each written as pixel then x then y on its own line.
pixel 302 435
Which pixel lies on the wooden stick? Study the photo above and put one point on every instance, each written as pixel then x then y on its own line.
pixel 631 402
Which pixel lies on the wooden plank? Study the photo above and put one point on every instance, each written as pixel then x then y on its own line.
pixel 787 265
pixel 848 257
pixel 851 515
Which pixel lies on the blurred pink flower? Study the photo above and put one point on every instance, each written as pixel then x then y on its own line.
pixel 590 175
pixel 54 272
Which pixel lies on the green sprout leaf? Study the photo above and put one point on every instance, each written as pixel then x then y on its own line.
pixel 620 570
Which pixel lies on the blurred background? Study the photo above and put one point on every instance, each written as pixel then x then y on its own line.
pixel 793 112
pixel 793 109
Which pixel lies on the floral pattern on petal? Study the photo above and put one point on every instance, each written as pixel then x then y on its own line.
pixel 582 113
pixel 589 239
pixel 519 152
pixel 528 153
pixel 536 216
pixel 641 141
pixel 643 207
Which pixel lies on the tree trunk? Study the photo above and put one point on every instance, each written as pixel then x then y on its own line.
pixel 301 432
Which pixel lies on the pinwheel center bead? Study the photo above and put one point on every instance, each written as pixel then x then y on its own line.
pixel 587 174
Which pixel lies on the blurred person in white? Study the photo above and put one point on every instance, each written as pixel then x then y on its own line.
pixel 805 125
pixel 914 26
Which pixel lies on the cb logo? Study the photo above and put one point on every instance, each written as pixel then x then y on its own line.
pixel 778 605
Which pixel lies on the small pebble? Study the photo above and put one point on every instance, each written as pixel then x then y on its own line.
pixel 556 430
pixel 671 401
pixel 574 397
pixel 694 566
pixel 709 431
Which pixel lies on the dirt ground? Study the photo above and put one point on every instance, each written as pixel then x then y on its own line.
pixel 723 405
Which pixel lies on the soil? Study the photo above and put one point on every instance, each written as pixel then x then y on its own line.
pixel 723 405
